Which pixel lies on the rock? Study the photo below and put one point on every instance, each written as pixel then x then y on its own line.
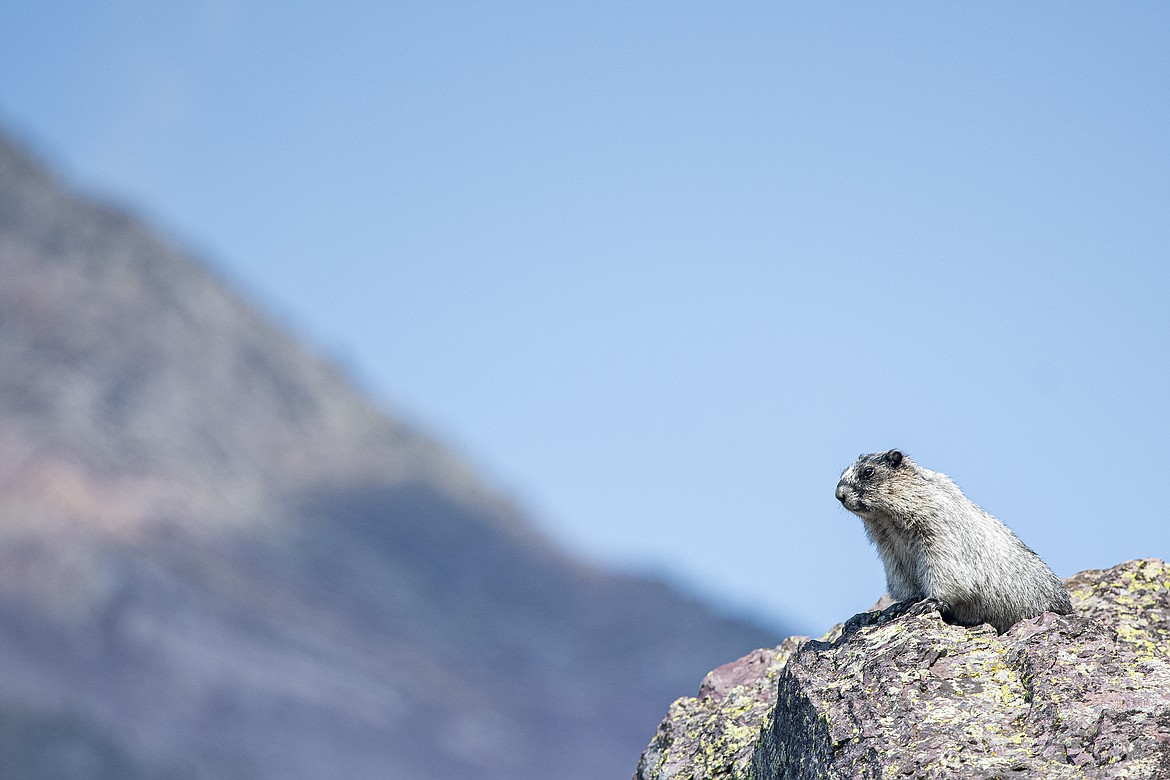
pixel 899 694
pixel 1132 599
pixel 715 734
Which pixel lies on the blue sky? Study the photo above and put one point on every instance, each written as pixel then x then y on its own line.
pixel 660 271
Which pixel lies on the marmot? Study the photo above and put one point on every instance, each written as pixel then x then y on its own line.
pixel 938 546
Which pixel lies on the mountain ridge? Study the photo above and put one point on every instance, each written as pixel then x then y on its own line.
pixel 221 559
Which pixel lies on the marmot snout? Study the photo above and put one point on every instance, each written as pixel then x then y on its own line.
pixel 936 544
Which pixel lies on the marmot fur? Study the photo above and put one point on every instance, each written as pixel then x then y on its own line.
pixel 938 546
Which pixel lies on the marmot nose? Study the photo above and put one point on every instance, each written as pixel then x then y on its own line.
pixel 841 491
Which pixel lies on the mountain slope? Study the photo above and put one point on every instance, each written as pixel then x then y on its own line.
pixel 217 559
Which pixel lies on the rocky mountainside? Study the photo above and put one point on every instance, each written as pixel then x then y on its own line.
pixel 890 694
pixel 218 560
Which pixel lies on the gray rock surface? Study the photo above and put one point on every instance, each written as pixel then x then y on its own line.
pixel 897 694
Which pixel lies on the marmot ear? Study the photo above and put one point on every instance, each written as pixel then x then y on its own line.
pixel 894 458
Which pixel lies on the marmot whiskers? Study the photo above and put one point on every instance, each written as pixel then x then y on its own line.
pixel 936 545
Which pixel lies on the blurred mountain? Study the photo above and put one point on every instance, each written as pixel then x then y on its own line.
pixel 219 560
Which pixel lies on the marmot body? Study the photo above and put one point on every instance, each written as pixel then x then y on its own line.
pixel 936 544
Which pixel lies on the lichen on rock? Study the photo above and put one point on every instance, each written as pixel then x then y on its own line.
pixel 713 735
pixel 1133 599
pixel 899 694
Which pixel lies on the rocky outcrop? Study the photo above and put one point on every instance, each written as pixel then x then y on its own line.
pixel 897 694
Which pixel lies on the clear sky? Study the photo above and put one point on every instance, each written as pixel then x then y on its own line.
pixel 661 270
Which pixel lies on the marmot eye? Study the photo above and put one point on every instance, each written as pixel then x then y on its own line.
pixel 867 472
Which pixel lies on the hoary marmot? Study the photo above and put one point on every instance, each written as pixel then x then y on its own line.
pixel 938 546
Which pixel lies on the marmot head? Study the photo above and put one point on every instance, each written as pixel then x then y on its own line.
pixel 870 483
